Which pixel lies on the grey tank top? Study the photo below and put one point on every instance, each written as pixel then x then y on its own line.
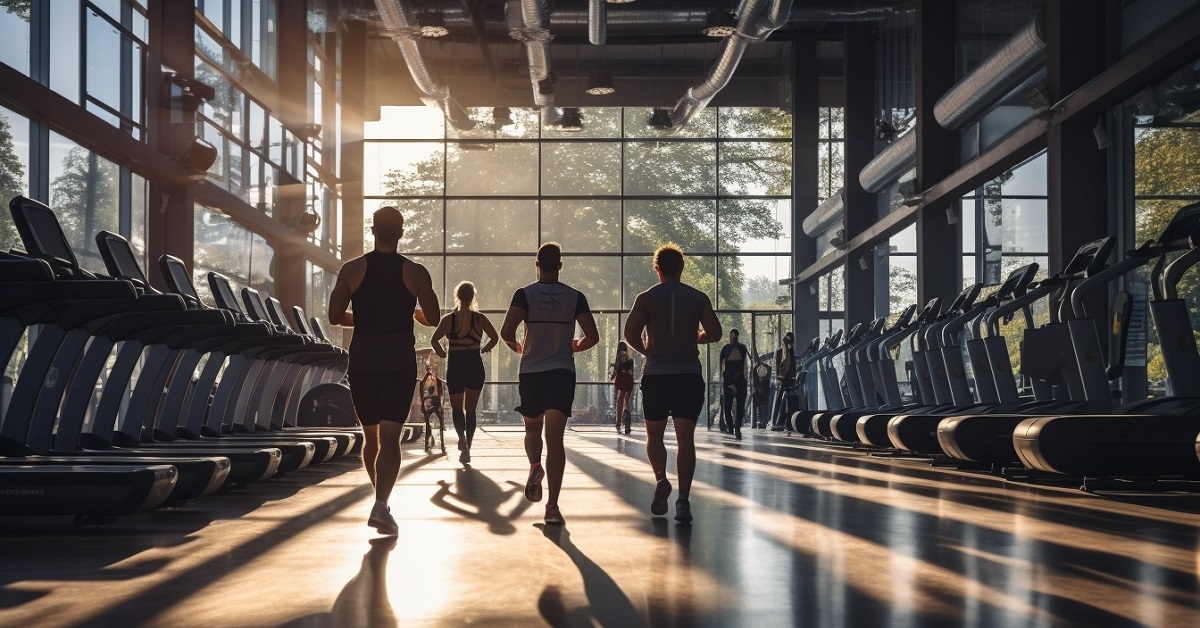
pixel 674 311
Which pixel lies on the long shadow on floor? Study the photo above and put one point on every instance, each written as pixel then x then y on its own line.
pixel 474 489
pixel 364 600
pixel 607 603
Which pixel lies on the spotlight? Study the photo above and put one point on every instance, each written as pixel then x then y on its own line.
pixel 199 155
pixel 885 130
pixel 501 116
pixel 660 119
pixel 601 84
pixel 571 119
pixel 432 25
pixel 1103 141
pixel 1147 106
pixel 720 24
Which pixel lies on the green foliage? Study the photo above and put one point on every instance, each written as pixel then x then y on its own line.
pixel 19 8
pixel 12 183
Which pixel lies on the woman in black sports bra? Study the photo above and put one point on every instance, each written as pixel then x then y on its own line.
pixel 464 327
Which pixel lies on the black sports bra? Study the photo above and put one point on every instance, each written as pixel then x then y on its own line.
pixel 464 340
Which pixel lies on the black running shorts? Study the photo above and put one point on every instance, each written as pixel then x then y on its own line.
pixel 382 395
pixel 546 390
pixel 464 370
pixel 679 396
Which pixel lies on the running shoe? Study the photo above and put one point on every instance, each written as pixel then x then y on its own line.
pixel 628 429
pixel 683 511
pixel 533 486
pixel 662 491
pixel 381 519
pixel 462 444
pixel 465 456
pixel 553 515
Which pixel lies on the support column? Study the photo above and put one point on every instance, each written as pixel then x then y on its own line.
pixel 291 280
pixel 170 225
pixel 939 243
pixel 354 96
pixel 805 134
pixel 859 80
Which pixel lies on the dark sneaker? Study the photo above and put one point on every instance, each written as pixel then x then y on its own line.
pixel 381 519
pixel 553 515
pixel 737 436
pixel 533 486
pixel 683 511
pixel 628 429
pixel 462 444
pixel 662 491
pixel 465 456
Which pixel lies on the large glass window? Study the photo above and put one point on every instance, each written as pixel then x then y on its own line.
pixel 228 248
pixel 14 169
pixel 478 203
pixel 14 29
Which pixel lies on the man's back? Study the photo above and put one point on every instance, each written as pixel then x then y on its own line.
pixel 551 308
pixel 673 312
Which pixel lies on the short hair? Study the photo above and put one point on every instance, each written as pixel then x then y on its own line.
pixel 464 292
pixel 669 259
pixel 388 223
pixel 735 331
pixel 549 256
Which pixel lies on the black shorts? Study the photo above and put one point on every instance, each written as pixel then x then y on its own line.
pixel 679 396
pixel 546 390
pixel 464 369
pixel 383 395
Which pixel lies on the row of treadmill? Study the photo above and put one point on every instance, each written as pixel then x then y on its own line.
pixel 120 399
pixel 1058 419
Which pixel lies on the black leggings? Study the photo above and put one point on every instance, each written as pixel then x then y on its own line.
pixel 464 423
pixel 732 421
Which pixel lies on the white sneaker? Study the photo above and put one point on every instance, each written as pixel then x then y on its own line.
pixel 381 519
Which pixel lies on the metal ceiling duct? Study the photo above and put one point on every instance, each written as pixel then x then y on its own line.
pixel 1010 64
pixel 536 37
pixel 757 19
pixel 597 22
pixel 899 157
pixel 828 214
pixel 404 32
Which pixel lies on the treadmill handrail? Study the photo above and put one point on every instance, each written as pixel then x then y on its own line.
pixel 1176 270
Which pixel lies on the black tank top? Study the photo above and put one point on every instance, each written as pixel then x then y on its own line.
pixel 383 317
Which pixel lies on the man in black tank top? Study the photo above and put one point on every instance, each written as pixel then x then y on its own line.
pixel 384 288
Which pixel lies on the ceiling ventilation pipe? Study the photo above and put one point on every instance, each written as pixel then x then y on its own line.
pixel 827 215
pixel 899 157
pixel 405 33
pixel 1010 64
pixel 532 31
pixel 757 19
pixel 597 21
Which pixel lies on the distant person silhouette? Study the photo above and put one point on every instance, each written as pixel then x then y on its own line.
pixel 550 311
pixel 676 318
pixel 622 378
pixel 377 294
pixel 464 326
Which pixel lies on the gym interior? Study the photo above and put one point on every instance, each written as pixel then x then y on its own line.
pixel 976 220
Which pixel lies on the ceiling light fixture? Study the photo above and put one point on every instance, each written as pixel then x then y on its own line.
pixel 660 119
pixel 601 84
pixel 720 24
pixel 432 25
pixel 571 119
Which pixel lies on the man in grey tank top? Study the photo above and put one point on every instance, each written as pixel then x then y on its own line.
pixel 550 310
pixel 666 324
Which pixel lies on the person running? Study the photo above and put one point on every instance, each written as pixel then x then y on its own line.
pixel 733 380
pixel 433 395
pixel 785 373
pixel 622 378
pixel 676 318
pixel 550 310
pixel 464 327
pixel 384 289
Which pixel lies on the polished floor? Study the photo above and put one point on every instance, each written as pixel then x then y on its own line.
pixel 785 534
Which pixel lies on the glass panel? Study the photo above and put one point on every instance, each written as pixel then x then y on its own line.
pixel 637 119
pixel 699 271
pixel 583 226
pixel 756 168
pixel 422 225
pixel 14 31
pixel 755 226
pixel 396 169
pixel 492 225
pixel 596 277
pixel 64 54
pixel 84 193
pixel 755 122
pixel 14 170
pixel 752 282
pixel 690 224
pixel 966 216
pixel 486 168
pixel 406 122
pixel 495 278
pixel 597 122
pixel 103 72
pixel 905 241
pixel 139 194
pixel 902 282
pixel 581 168
pixel 1164 162
pixel 670 168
